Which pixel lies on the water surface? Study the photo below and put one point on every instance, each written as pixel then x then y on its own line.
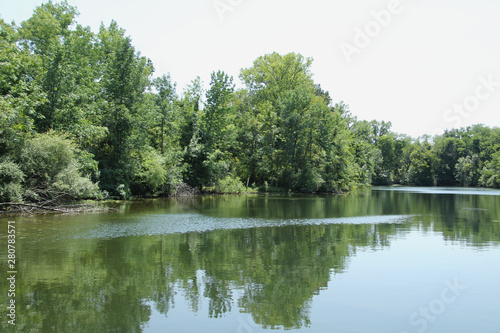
pixel 378 260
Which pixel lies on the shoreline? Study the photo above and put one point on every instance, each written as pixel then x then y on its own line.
pixel 103 206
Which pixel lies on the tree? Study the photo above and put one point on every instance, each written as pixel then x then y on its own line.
pixel 20 92
pixel 298 140
pixel 214 143
pixel 447 149
pixel 249 122
pixel 216 129
pixel 467 170
pixel 60 79
pixel 273 84
pixel 418 165
pixel 380 128
pixel 490 175
pixel 273 74
pixel 125 77
pixel 44 34
pixel 164 100
pixel 384 174
pixel 293 111
pixel 49 24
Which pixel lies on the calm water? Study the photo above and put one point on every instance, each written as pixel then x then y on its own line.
pixel 378 260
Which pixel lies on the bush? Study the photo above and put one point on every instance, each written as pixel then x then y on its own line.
pixel 124 192
pixel 229 185
pixel 490 175
pixel 53 170
pixel 150 173
pixel 307 180
pixel 156 174
pixel 70 182
pixel 11 178
pixel 45 156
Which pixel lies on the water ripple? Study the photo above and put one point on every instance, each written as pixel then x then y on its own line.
pixel 180 224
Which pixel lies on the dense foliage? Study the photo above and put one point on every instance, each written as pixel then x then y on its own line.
pixel 82 117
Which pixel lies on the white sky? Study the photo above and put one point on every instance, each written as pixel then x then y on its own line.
pixel 428 58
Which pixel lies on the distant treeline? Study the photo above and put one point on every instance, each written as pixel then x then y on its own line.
pixel 82 117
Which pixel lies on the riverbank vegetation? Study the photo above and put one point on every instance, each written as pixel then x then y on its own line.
pixel 83 117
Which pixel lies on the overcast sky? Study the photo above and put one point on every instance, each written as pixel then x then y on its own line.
pixel 424 65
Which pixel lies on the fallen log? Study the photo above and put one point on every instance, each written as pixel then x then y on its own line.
pixel 33 206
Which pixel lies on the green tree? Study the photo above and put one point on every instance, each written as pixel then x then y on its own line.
pixel 44 35
pixel 216 126
pixel 467 170
pixel 448 150
pixel 418 165
pixel 384 174
pixel 249 122
pixel 217 133
pixel 293 111
pixel 273 74
pixel 53 169
pixel 20 92
pixel 164 100
pixel 125 77
pixel 490 175
pixel 49 24
pixel 298 140
pixel 367 156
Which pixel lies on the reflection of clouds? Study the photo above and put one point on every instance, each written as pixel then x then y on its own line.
pixel 180 224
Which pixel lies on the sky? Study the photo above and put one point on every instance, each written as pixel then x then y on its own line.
pixel 424 65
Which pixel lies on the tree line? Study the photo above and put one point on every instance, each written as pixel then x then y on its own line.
pixel 83 117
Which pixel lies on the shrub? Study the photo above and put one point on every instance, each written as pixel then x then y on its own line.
pixel 53 169
pixel 44 156
pixel 124 192
pixel 150 173
pixel 156 174
pixel 230 184
pixel 11 178
pixel 70 182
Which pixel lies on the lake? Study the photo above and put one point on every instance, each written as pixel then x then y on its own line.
pixel 384 259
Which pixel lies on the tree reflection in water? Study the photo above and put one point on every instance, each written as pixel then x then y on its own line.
pixel 272 273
